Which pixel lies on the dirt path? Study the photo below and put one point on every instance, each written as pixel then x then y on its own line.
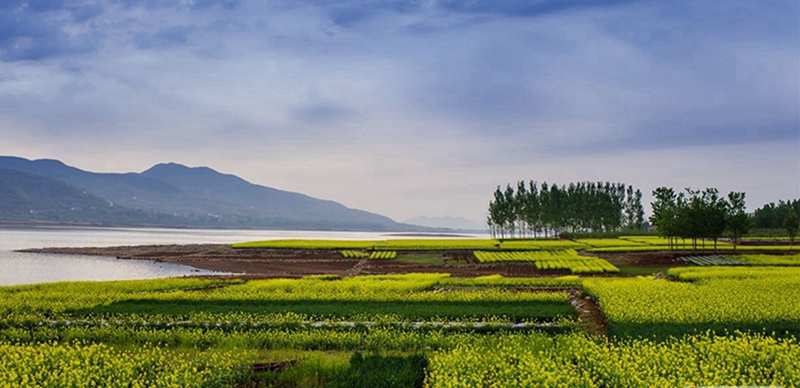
pixel 589 314
pixel 356 269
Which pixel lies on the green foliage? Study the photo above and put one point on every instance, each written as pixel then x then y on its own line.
pixel 737 220
pixel 380 245
pixel 202 332
pixel 576 360
pixel 372 298
pixel 722 299
pixel 568 260
pixel 355 255
pixel 792 224
pixel 772 216
pixel 775 260
pixel 383 255
pixel 98 365
pixel 697 215
pixel 577 207
pixel 380 371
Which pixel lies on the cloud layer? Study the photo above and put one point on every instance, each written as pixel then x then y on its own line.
pixel 411 107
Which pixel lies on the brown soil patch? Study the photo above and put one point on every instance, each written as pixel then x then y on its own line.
pixel 641 259
pixel 590 316
pixel 271 263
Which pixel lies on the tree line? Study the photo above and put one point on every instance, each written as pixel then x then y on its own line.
pixel 530 209
pixel 700 215
pixel 772 216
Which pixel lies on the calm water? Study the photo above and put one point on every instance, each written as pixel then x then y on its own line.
pixel 25 268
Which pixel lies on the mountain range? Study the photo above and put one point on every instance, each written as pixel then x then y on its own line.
pixel 167 194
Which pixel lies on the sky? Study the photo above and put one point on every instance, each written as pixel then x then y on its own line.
pixel 409 108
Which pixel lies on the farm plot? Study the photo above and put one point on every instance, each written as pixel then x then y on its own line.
pixel 385 245
pixel 720 299
pixel 653 243
pixel 779 260
pixel 383 255
pixel 447 331
pixel 610 242
pixel 466 244
pixel 564 260
pixel 393 298
pixel 355 254
pixel 575 360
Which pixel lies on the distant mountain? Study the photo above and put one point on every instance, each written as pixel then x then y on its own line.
pixel 195 197
pixel 447 222
pixel 26 196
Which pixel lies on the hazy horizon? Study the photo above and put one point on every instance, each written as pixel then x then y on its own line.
pixel 412 108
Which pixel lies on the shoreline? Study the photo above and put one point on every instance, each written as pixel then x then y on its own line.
pixel 292 263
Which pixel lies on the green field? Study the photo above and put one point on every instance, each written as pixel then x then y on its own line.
pixel 720 299
pixel 415 244
pixel 760 259
pixel 621 244
pixel 706 326
pixel 550 260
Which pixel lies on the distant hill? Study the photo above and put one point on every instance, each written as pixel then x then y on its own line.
pixel 26 196
pixel 179 196
pixel 459 223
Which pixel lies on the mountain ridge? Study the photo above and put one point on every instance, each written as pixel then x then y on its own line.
pixel 202 196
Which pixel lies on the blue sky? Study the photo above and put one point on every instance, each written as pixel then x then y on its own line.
pixel 408 108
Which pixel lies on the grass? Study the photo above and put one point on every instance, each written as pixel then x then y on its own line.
pixel 759 259
pixel 642 271
pixel 174 325
pixel 416 244
pixel 719 299
pixel 422 258
pixel 567 259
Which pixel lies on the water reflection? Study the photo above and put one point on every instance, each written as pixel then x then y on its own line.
pixel 24 268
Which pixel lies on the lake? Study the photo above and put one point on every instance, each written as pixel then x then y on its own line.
pixel 27 268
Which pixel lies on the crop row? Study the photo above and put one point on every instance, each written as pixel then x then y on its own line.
pixel 567 260
pixel 624 243
pixel 98 365
pixel 355 255
pixel 383 255
pixel 201 332
pixel 405 297
pixel 415 244
pixel 762 299
pixel 782 260
pixel 574 360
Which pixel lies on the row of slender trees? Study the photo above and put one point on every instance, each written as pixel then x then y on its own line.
pixel 530 209
pixel 699 215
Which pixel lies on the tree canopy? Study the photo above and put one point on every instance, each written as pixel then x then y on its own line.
pixel 699 214
pixel 531 209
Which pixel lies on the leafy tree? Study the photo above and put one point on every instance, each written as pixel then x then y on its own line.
pixel 665 213
pixel 510 211
pixel 771 216
pixel 791 224
pixel 520 207
pixel 737 221
pixel 582 206
pixel 715 211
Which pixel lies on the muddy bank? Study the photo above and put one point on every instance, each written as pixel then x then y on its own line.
pixel 267 263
